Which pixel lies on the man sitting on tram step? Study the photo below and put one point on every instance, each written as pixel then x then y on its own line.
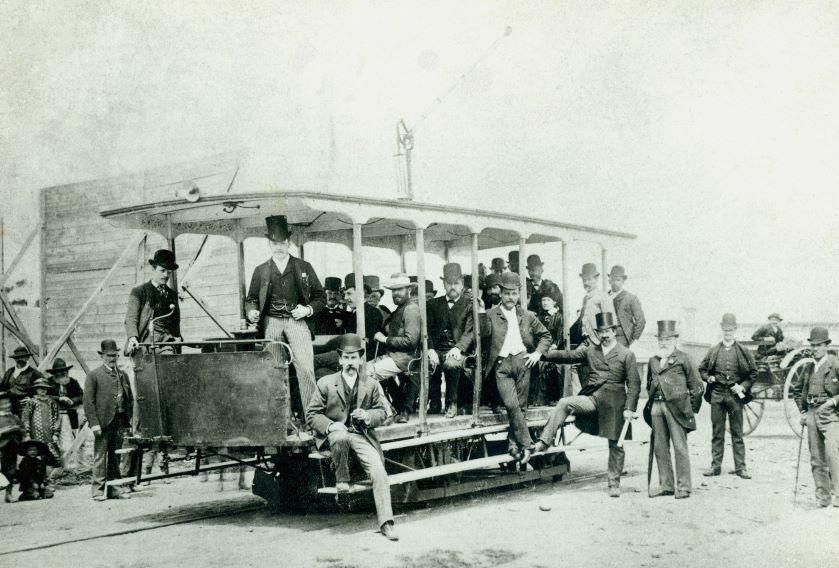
pixel 537 286
pixel 729 369
pixel 332 318
pixel 675 395
pixel 518 341
pixel 608 398
pixel 283 298
pixel 327 362
pixel 343 411
pixel 772 331
pixel 450 326
pixel 402 344
pixel 628 308
pixel 154 304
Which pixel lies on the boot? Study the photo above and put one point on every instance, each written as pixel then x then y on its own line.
pixel 451 411
pixel 403 417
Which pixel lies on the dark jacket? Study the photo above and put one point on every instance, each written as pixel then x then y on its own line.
pixel 140 310
pixel 613 382
pixel 630 315
pixel 446 327
pixel 746 370
pixel 677 379
pixel 403 336
pixel 553 323
pixel 534 295
pixel 17 387
pixel 372 324
pixel 329 404
pixel 73 391
pixel 331 321
pixel 763 332
pixel 494 325
pixel 311 291
pixel 100 394
pixel 829 372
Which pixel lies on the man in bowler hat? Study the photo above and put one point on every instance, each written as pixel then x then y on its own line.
pixel 596 301
pixel 108 406
pixel 18 379
pixel 608 398
pixel 537 286
pixel 675 394
pixel 153 308
pixel 283 299
pixel 630 314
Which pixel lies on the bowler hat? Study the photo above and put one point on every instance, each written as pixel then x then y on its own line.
pixel 452 272
pixel 41 383
pixel 20 352
pixel 108 346
pixel 497 264
pixel 510 281
pixel 667 328
pixel 818 335
pixel 429 287
pixel 589 270
pixel 373 282
pixel 350 343
pixel 491 281
pixel 534 260
pixel 605 320
pixel 729 322
pixel 164 259
pixel 59 366
pixel 332 283
pixel 775 315
pixel 399 280
pixel 277 228
pixel 618 271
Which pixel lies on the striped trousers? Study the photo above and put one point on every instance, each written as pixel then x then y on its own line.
pixel 296 333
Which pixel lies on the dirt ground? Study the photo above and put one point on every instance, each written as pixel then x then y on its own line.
pixel 727 520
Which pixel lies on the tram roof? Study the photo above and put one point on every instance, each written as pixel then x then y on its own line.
pixel 329 218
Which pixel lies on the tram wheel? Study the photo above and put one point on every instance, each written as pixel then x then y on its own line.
pixel 794 375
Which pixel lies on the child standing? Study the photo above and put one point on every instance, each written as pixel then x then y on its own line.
pixel 42 421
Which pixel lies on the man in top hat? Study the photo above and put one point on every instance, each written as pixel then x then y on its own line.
pixel 449 320
pixel 675 395
pixel 596 301
pixel 770 331
pixel 817 397
pixel 497 266
pixel 631 321
pixel 332 318
pixel 283 300
pixel 517 341
pixel 374 297
pixel 729 369
pixel 401 345
pixel 344 411
pixel 19 378
pixel 538 286
pixel 608 398
pixel 153 307
pixel 69 397
pixel 108 406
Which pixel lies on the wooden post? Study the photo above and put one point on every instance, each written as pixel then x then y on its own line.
pixel 240 266
pixel 43 275
pixel 357 268
pixel 476 393
pixel 447 252
pixel 170 237
pixel 75 350
pixel 566 305
pixel 523 270
pixel 3 278
pixel 6 274
pixel 420 251
pixel 403 252
pixel 301 242
pixel 605 268
pixel 15 325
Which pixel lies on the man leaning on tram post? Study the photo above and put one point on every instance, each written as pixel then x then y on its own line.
pixel 283 297
pixel 628 310
pixel 343 411
pixel 608 398
pixel 153 308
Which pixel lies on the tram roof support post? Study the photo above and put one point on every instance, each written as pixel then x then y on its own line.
pixel 522 270
pixel 476 400
pixel 566 306
pixel 423 401
pixel 604 267
pixel 240 267
pixel 170 238
pixel 403 253
pixel 359 280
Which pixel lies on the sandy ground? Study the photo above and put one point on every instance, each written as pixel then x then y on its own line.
pixel 727 520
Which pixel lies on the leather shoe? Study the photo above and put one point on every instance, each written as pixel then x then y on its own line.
pixel 660 493
pixel 451 411
pixel 744 474
pixel 403 417
pixel 99 498
pixel 342 487
pixel 525 456
pixel 389 531
pixel 539 446
pixel 614 492
pixel 711 471
pixel 682 494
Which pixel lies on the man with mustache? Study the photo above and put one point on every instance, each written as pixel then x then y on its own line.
pixel 331 320
pixel 631 321
pixel 148 302
pixel 596 301
pixel 343 411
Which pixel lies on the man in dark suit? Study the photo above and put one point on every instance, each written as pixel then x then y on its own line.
pixel 18 379
pixel 343 411
pixel 772 331
pixel 538 286
pixel 108 406
pixel 729 369
pixel 153 307
pixel 332 319
pixel 675 393
pixel 631 321
pixel 608 398
pixel 517 341
pixel 283 299
pixel 69 397
pixel 449 317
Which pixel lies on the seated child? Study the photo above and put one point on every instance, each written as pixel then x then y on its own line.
pixel 32 471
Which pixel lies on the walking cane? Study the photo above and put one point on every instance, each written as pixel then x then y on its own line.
pixel 650 460
pixel 798 465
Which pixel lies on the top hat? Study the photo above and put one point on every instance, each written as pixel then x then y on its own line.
pixel 510 281
pixel 491 281
pixel 775 315
pixel 20 352
pixel 729 322
pixel 332 283
pixel 429 287
pixel 818 335
pixel 589 270
pixel 374 283
pixel 467 281
pixel 349 282
pixel 618 271
pixel 41 383
pixel 534 260
pixel 452 272
pixel 350 343
pixel 164 259
pixel 277 228
pixel 667 328
pixel 605 320
pixel 108 346
pixel 59 366
pixel 400 280
pixel 497 264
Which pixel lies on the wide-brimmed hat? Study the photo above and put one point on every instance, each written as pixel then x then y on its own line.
pixel 20 352
pixel 511 281
pixel 41 383
pixel 59 366
pixel 667 328
pixel 429 287
pixel 533 260
pixel 43 449
pixel 350 343
pixel 452 272
pixel 605 320
pixel 775 315
pixel 277 228
pixel 164 259
pixel 818 335
pixel 374 283
pixel 491 281
pixel 589 270
pixel 497 264
pixel 618 271
pixel 729 322
pixel 399 280
pixel 108 346
pixel 332 283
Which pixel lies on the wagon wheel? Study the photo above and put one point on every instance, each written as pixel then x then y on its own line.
pixel 795 374
pixel 753 412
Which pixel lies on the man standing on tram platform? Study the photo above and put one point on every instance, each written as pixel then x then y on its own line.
pixel 153 308
pixel 283 298
pixel 596 301
pixel 630 315
pixel 537 286
pixel 332 318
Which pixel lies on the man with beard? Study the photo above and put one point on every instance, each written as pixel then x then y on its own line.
pixel 538 286
pixel 343 411
pixel 628 309
pixel 332 318
pixel 606 401
pixel 18 379
pixel 450 334
pixel 402 344
pixel 492 291
pixel 154 305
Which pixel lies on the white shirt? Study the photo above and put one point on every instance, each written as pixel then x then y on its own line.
pixel 350 381
pixel 607 349
pixel 513 344
pixel 18 370
pixel 281 265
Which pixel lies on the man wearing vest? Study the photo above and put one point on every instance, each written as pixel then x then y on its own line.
pixel 19 378
pixel 628 309
pixel 108 406
pixel 817 397
pixel 153 308
pixel 283 298
pixel 729 369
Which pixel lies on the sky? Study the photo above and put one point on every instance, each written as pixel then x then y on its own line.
pixel 707 129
